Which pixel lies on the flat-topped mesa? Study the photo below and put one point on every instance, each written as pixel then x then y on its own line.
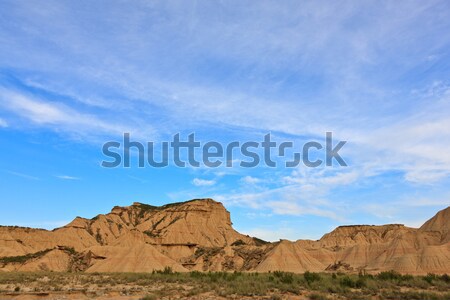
pixel 141 211
pixel 200 221
pixel 144 208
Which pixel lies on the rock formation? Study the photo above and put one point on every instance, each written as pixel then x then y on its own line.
pixel 198 235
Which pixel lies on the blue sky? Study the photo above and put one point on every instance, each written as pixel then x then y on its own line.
pixel 75 74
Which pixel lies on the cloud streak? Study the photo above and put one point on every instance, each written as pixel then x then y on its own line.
pixel 67 177
pixel 203 182
pixel 3 123
pixel 60 117
pixel 23 175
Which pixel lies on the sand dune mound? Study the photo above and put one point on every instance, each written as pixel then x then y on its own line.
pixel 198 235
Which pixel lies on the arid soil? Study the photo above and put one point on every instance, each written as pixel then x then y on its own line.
pixel 196 285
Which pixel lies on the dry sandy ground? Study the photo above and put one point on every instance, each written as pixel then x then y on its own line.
pixel 124 296
pixel 166 291
pixel 29 291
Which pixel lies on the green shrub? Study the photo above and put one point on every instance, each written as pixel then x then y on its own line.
pixel 351 283
pixel 407 277
pixel 284 277
pixel 149 297
pixel 389 275
pixel 166 271
pixel 311 277
pixel 196 274
pixel 430 277
pixel 347 282
pixel 317 296
pixel 24 258
pixel 238 243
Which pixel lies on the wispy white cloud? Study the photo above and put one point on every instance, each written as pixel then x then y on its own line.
pixel 288 199
pixel 250 180
pixel 258 215
pixel 203 182
pixel 67 177
pixel 3 123
pixel 422 202
pixel 23 175
pixel 60 117
pixel 137 179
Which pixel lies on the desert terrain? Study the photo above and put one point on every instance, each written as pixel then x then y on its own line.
pixel 190 250
pixel 197 235
pixel 167 284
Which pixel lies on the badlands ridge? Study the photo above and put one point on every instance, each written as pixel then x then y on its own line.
pixel 198 235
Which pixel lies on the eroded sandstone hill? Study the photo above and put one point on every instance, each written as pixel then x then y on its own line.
pixel 198 235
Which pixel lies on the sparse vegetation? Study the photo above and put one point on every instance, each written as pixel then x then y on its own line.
pixel 260 242
pixel 98 237
pixel 310 277
pixel 317 296
pixel 166 270
pixel 166 283
pixel 70 250
pixel 238 243
pixel 23 258
pixel 145 208
pixel 150 233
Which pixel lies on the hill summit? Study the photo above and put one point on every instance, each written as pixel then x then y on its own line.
pixel 198 235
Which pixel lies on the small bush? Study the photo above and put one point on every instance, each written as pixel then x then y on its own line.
pixel 430 277
pixel 407 277
pixel 347 282
pixel 311 277
pixel 238 243
pixel 284 277
pixel 196 274
pixel 148 297
pixel 317 296
pixel 389 275
pixel 166 271
pixel 351 283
